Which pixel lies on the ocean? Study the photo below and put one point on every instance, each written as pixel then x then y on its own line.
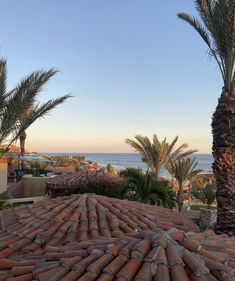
pixel 124 160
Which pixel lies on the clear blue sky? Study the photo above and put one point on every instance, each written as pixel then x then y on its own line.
pixel 131 65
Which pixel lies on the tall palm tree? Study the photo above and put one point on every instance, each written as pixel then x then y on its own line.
pixel 216 27
pixel 146 188
pixel 158 154
pixel 14 104
pixel 184 169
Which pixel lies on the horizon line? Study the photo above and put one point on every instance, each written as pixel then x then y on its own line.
pixel 105 152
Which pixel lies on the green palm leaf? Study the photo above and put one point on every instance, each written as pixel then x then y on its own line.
pixel 217 29
pixel 144 187
pixel 19 107
pixel 158 154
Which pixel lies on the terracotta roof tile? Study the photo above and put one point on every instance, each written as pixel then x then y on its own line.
pixel 81 217
pixel 89 237
pixel 61 170
pixel 127 258
pixel 81 178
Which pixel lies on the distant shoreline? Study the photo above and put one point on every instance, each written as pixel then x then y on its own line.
pixel 124 160
pixel 74 152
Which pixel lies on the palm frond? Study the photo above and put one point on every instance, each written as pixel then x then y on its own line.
pixel 216 27
pixel 18 107
pixel 39 111
pixel 184 169
pixel 145 188
pixel 27 90
pixel 143 145
pixel 157 154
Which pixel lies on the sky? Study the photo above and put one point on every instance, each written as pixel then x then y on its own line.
pixel 131 66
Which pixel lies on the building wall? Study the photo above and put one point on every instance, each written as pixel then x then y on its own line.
pixel 33 186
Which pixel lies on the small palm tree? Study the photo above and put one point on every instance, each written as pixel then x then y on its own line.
pixel 183 170
pixel 216 27
pixel 15 103
pixel 144 187
pixel 207 195
pixel 158 154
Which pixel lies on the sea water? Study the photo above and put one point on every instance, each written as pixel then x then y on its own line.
pixel 124 160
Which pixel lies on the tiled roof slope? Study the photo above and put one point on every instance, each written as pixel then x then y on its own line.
pixel 81 178
pixel 154 255
pixel 54 235
pixel 80 217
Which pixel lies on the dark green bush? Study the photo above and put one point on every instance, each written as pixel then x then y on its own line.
pixel 4 200
pixel 146 188
pixel 207 195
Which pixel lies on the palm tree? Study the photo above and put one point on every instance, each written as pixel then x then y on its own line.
pixel 35 112
pixel 216 27
pixel 158 154
pixel 207 195
pixel 14 104
pixel 184 169
pixel 145 188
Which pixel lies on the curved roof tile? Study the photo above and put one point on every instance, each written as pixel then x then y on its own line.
pixel 89 237
pixel 157 255
pixel 81 178
pixel 87 216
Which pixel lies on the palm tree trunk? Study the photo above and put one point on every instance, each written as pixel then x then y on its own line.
pixel 180 201
pixel 180 198
pixel 190 194
pixel 22 143
pixel 23 136
pixel 223 129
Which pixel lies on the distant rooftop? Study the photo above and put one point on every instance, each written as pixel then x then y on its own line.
pixel 81 178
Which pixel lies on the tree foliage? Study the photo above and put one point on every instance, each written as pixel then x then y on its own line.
pixel 203 182
pixel 216 26
pixel 207 195
pixel 158 154
pixel 14 104
pixel 146 188
pixel 65 160
pixel 183 169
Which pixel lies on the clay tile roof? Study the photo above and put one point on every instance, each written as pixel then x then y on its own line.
pixel 89 237
pixel 171 255
pixel 60 170
pixel 81 178
pixel 80 217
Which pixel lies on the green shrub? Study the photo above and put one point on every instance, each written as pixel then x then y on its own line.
pixel 4 203
pixel 207 195
pixel 146 188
